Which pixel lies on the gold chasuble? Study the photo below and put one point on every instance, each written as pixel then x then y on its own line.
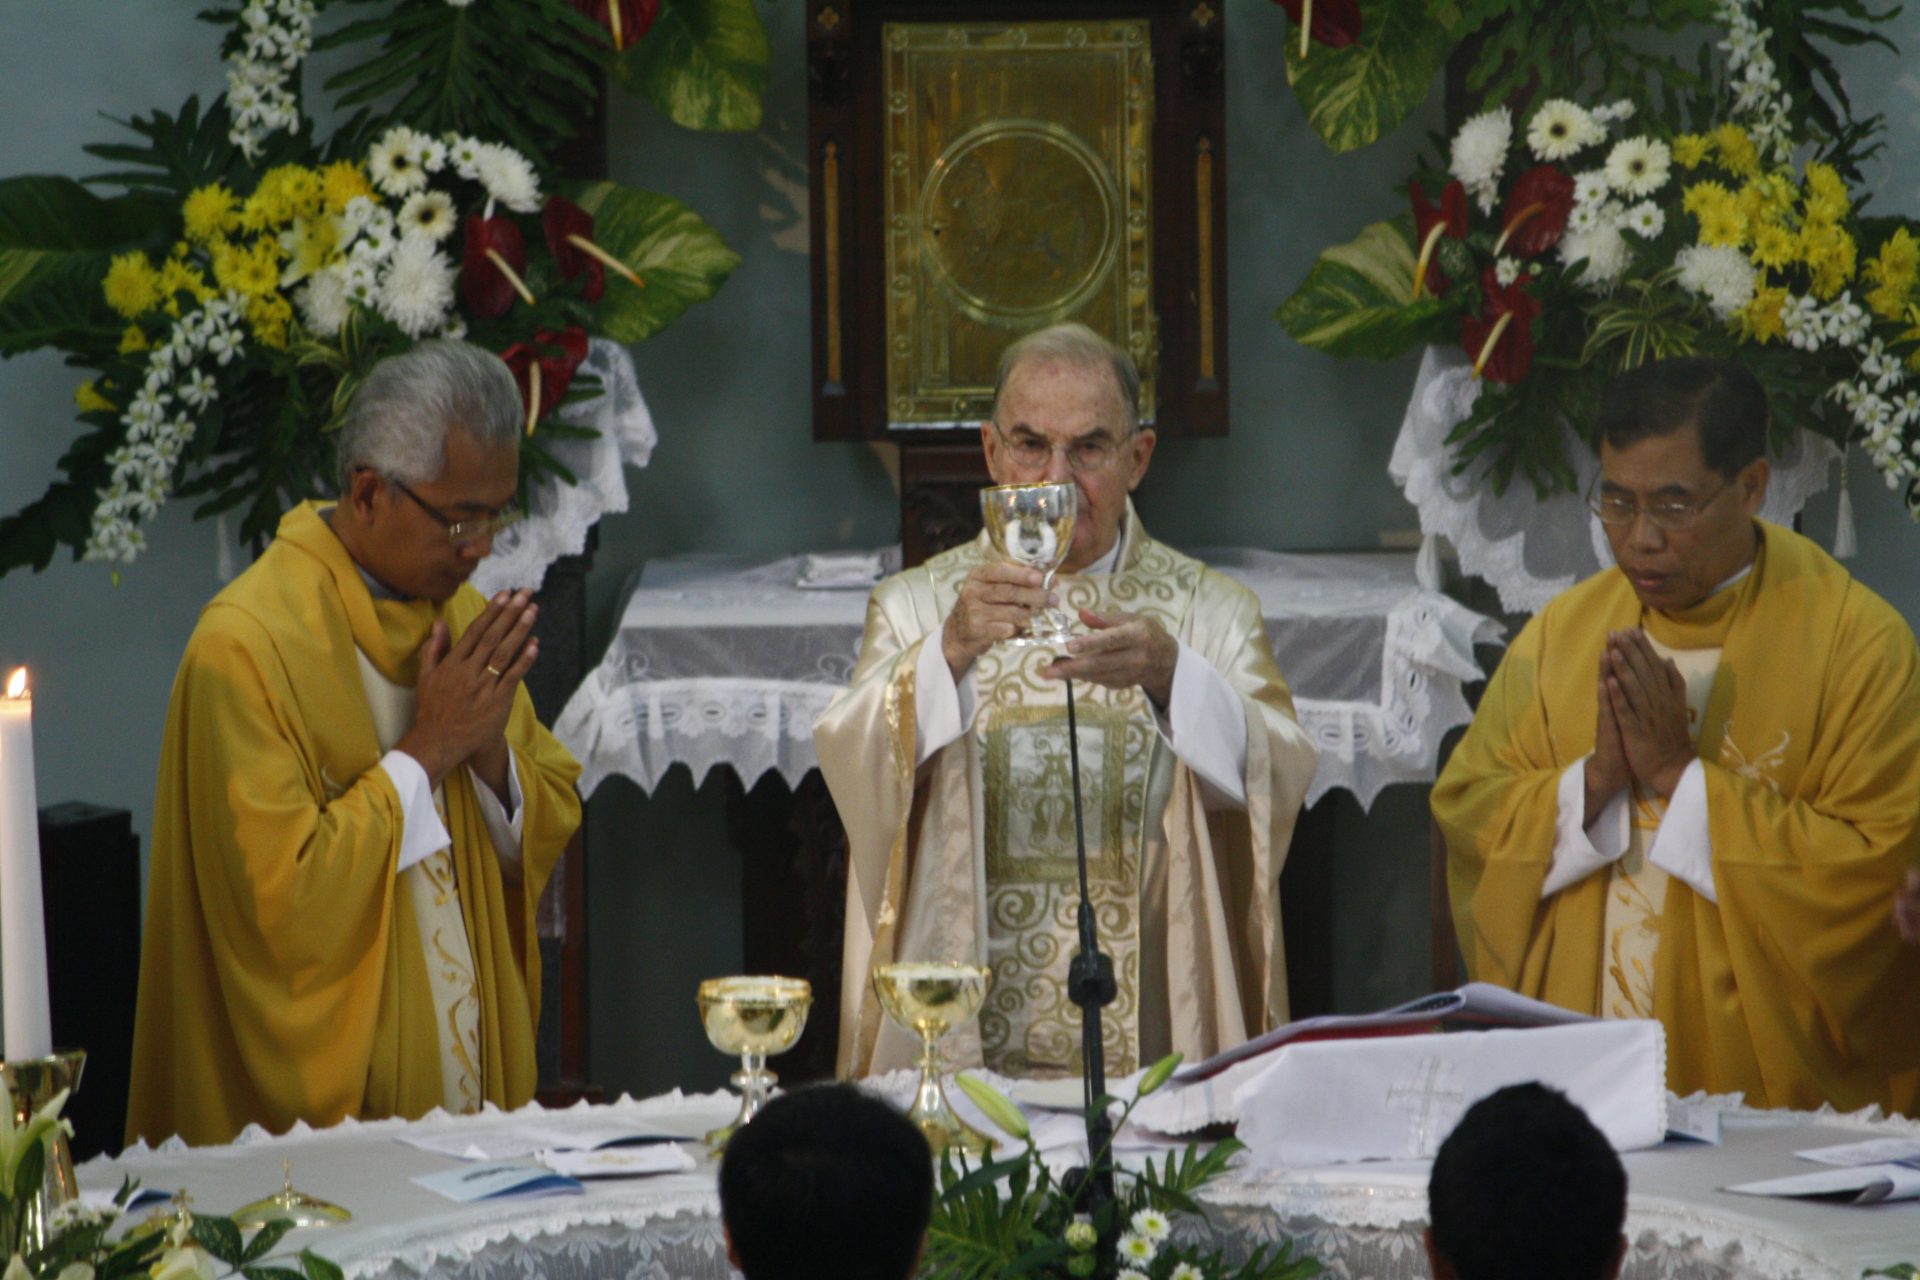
pixel 283 975
pixel 1794 989
pixel 971 856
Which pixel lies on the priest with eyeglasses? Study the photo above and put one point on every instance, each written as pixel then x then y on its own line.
pixel 1692 789
pixel 947 757
pixel 357 809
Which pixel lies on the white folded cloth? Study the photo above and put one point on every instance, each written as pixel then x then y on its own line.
pixel 1398 1097
pixel 831 569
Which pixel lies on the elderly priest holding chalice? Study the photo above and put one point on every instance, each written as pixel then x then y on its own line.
pixel 947 757
pixel 357 809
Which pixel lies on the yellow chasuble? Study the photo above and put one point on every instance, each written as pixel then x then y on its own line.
pixel 971 856
pixel 1795 988
pixel 283 975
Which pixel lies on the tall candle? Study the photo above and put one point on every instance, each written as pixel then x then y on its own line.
pixel 28 1026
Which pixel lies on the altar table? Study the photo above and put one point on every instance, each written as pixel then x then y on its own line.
pixel 1361 1220
pixel 723 660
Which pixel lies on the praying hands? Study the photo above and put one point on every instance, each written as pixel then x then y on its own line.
pixel 1641 732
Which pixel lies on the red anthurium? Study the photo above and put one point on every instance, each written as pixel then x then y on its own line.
pixel 491 267
pixel 1500 338
pixel 569 231
pixel 1429 225
pixel 544 368
pixel 1536 214
pixel 625 20
pixel 1334 23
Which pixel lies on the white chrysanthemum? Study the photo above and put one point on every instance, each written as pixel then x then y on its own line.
pixel 1152 1224
pixel 1603 250
pixel 376 240
pixel 1639 166
pixel 1506 270
pixel 1137 1248
pixel 1590 187
pixel 1187 1271
pixel 428 152
pixel 1560 128
pixel 393 165
pixel 1480 153
pixel 323 303
pixel 429 214
pixel 1585 217
pixel 508 178
pixel 1621 109
pixel 1131 1274
pixel 1646 219
pixel 465 155
pixel 1720 273
pixel 417 292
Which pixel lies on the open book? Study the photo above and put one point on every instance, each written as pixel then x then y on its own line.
pixel 1478 1004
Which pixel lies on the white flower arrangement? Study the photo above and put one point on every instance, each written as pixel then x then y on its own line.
pixel 1480 153
pixel 275 38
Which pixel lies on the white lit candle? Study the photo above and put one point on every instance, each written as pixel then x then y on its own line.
pixel 23 935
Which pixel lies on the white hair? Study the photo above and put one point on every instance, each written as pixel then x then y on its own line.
pixel 1074 345
pixel 398 419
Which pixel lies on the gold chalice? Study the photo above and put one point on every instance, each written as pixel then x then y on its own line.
pixel 31 1084
pixel 1032 524
pixel 930 998
pixel 753 1017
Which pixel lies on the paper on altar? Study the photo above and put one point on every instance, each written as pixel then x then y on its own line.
pixel 515 1141
pixel 1335 1101
pixel 1865 1184
pixel 499 1181
pixel 1872 1151
pixel 620 1162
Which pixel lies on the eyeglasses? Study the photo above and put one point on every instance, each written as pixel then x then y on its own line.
pixel 1672 516
pixel 465 533
pixel 1031 453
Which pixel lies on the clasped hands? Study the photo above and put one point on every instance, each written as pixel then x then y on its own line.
pixel 1641 732
pixel 1121 650
pixel 465 691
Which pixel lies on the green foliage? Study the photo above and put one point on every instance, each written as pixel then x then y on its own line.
pixel 1593 50
pixel 56 239
pixel 1357 301
pixel 681 258
pixel 703 63
pixel 1355 95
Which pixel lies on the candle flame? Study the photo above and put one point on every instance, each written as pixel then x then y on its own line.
pixel 17 683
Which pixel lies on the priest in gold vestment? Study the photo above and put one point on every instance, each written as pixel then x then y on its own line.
pixel 947 758
pixel 357 809
pixel 1691 790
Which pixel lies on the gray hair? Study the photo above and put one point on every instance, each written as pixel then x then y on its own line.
pixel 398 419
pixel 1074 345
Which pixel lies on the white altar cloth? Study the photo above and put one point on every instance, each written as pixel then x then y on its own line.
pixel 1360 1219
pixel 723 660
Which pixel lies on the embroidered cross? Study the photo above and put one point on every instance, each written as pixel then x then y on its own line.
pixel 1421 1099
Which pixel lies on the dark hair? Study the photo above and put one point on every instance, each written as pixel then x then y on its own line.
pixel 1718 398
pixel 1525 1188
pixel 827 1181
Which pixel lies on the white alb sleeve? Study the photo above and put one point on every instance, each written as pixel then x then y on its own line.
pixel 1205 724
pixel 1579 850
pixel 1683 847
pixel 943 708
pixel 422 833
pixel 504 822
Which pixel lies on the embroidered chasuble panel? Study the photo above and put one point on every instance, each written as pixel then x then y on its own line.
pixel 1637 889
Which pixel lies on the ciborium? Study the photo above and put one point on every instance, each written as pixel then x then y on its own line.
pixel 931 999
pixel 289 1205
pixel 31 1084
pixel 1032 524
pixel 753 1017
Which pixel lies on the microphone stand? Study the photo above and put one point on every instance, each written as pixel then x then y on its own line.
pixel 1090 985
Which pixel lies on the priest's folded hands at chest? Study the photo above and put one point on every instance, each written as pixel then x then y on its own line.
pixel 948 759
pixel 357 808
pixel 1691 790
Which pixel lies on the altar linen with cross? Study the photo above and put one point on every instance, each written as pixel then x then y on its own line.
pixel 1397 1097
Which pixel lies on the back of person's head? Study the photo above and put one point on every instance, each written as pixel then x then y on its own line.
pixel 1718 398
pixel 1526 1188
pixel 826 1181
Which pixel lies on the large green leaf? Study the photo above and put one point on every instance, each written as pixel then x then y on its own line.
pixel 681 258
pixel 1357 299
pixel 1355 95
pixel 703 62
pixel 56 238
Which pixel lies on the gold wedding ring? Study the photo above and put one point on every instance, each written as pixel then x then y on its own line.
pixel 498 675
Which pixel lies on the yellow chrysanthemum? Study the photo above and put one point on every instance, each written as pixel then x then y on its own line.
pixel 1887 301
pixel 1774 246
pixel 210 212
pixel 1721 222
pixel 1761 320
pixel 131 285
pixel 292 187
pixel 269 317
pixel 1829 253
pixel 309 246
pixel 1898 261
pixel 134 339
pixel 1824 181
pixel 340 182
pixel 88 398
pixel 252 271
pixel 1690 150
pixel 1702 194
pixel 1738 155
pixel 181 276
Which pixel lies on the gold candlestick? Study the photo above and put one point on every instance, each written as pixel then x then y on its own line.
pixel 31 1084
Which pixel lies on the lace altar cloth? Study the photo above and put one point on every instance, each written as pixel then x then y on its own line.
pixel 1532 550
pixel 724 661
pixel 1361 1220
pixel 560 514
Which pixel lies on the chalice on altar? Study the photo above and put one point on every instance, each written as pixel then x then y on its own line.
pixel 753 1017
pixel 1032 524
pixel 930 999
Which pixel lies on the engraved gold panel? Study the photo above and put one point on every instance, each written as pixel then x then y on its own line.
pixel 1018 172
pixel 1029 794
